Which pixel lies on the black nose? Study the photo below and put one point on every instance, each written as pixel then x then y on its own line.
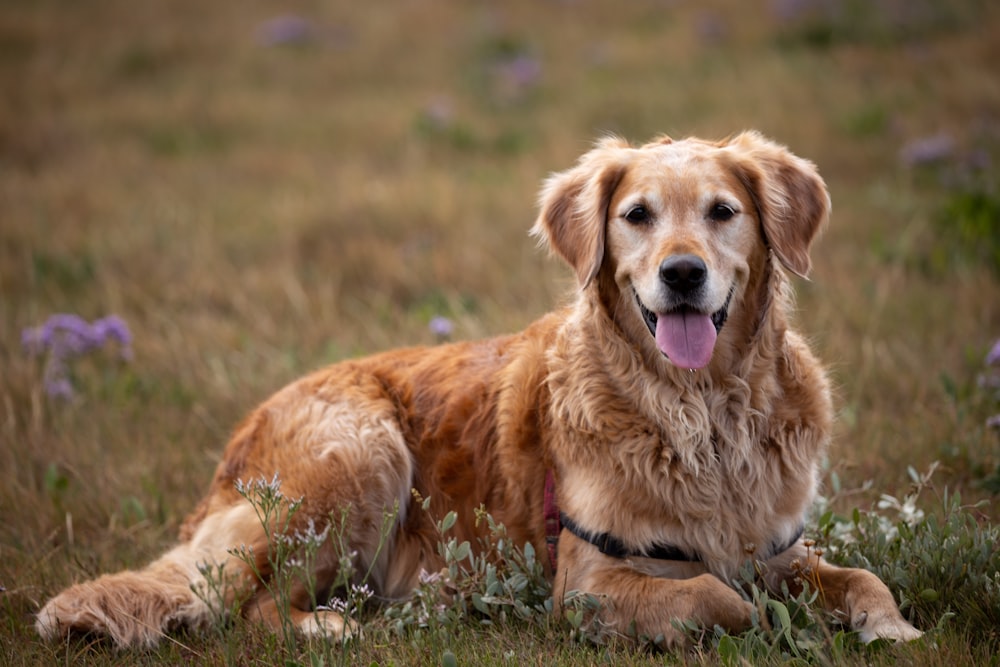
pixel 683 273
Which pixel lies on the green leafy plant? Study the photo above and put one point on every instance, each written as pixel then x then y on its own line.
pixel 499 583
pixel 945 569
pixel 292 553
pixel 944 565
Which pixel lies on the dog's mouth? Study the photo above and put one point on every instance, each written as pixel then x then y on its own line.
pixel 684 335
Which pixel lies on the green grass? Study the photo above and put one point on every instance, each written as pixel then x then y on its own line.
pixel 254 211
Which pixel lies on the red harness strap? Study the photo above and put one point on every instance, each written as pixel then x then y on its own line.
pixel 553 524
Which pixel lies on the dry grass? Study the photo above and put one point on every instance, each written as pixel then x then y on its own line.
pixel 253 211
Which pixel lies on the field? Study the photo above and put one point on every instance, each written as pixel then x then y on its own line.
pixel 255 193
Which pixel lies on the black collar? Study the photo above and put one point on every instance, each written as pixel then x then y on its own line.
pixel 609 545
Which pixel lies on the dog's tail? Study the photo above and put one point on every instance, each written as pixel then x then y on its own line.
pixel 133 607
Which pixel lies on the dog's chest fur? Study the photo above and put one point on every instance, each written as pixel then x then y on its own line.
pixel 713 468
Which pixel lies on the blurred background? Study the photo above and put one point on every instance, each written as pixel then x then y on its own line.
pixel 239 192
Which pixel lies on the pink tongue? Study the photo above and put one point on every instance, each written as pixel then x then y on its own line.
pixel 686 338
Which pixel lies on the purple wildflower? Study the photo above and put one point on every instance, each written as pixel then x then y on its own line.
pixel 440 113
pixel 520 72
pixel 59 387
pixel 792 10
pixel 286 29
pixel 65 336
pixel 68 336
pixel 114 328
pixel 517 75
pixel 927 150
pixel 993 356
pixel 711 27
pixel 991 380
pixel 441 327
pixel 31 341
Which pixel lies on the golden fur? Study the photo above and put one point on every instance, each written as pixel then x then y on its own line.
pixel 719 461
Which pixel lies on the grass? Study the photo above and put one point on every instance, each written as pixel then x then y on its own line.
pixel 254 208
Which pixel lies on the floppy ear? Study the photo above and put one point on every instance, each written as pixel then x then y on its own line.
pixel 791 198
pixel 574 207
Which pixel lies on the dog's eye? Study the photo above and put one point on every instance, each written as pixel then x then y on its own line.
pixel 721 212
pixel 637 215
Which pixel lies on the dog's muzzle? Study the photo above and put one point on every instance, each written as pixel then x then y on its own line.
pixel 684 334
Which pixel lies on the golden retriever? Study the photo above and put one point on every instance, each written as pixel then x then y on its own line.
pixel 677 416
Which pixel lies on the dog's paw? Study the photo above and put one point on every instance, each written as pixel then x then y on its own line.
pixel 330 624
pixel 48 624
pixel 884 626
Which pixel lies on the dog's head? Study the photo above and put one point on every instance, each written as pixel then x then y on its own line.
pixel 681 229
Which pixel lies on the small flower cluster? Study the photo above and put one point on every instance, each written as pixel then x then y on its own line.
pixel 260 486
pixel 357 596
pixel 931 149
pixel 64 337
pixel 942 150
pixel 441 327
pixel 286 29
pixel 518 73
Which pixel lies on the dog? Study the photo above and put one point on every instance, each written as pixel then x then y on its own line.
pixel 669 412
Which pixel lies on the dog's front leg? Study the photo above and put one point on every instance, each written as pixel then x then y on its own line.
pixel 637 604
pixel 856 596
